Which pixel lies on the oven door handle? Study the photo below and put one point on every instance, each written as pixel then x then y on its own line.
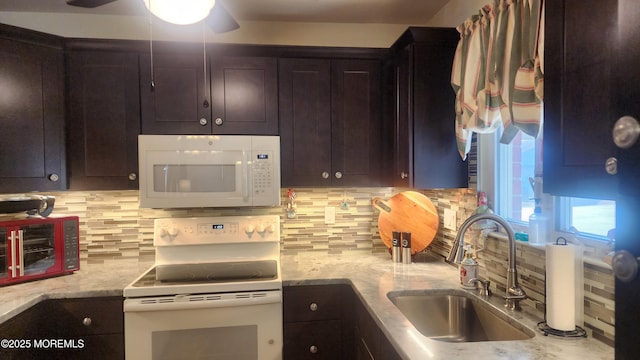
pixel 21 249
pixel 14 261
pixel 204 301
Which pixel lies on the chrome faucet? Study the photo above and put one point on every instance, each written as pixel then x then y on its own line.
pixel 514 294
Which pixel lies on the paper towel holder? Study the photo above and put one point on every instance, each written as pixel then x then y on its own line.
pixel 544 327
pixel 548 330
pixel 560 238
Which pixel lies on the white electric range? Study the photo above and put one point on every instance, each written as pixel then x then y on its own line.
pixel 214 292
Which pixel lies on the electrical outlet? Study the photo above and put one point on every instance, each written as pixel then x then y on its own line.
pixel 329 215
pixel 449 219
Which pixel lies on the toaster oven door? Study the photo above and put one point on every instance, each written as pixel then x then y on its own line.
pixel 28 252
pixel 4 254
pixel 37 249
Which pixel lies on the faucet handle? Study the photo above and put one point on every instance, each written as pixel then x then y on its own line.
pixel 484 288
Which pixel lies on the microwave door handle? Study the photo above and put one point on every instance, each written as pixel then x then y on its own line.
pixel 21 250
pixel 245 177
pixel 14 262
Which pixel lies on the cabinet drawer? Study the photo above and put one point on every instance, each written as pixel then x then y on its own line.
pixel 90 316
pixel 313 340
pixel 308 303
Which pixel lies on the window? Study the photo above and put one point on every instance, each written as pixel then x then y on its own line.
pixel 588 217
pixel 504 174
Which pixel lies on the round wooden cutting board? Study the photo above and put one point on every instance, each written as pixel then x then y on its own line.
pixel 408 211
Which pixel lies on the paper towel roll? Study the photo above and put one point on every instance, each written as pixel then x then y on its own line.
pixel 561 287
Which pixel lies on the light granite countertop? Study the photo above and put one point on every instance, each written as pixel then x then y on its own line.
pixel 372 277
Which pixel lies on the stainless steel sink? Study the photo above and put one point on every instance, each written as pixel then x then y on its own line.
pixel 456 316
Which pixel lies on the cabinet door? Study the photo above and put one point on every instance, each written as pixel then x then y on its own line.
pixel 100 338
pixel 425 155
pixel 356 127
pixel 403 115
pixel 305 121
pixel 179 101
pixel 103 120
pixel 436 161
pixel 577 112
pixel 626 93
pixel 370 340
pixel 313 340
pixel 31 117
pixel 312 302
pixel 245 95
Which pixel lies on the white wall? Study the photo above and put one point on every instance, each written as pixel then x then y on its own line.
pixel 250 32
pixel 455 12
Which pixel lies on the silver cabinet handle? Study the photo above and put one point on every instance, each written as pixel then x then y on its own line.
pixel 313 307
pixel 54 177
pixel 625 132
pixel 313 349
pixel 404 175
pixel 133 176
pixel 219 121
pixel 203 121
pixel 325 175
pixel 86 321
pixel 338 175
pixel 611 166
pixel 625 265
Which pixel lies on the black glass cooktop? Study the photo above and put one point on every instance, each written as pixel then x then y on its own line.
pixel 237 271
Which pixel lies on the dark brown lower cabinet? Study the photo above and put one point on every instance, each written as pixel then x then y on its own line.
pixel 331 322
pixel 371 343
pixel 313 340
pixel 87 328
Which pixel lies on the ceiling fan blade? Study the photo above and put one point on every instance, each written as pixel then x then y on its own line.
pixel 220 21
pixel 88 3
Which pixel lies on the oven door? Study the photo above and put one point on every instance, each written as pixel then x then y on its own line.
pixel 226 326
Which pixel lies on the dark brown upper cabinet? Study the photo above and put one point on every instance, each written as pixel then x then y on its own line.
pixel 305 121
pixel 578 117
pixel 103 120
pixel 330 124
pixel 186 92
pixel 419 110
pixel 174 93
pixel 245 95
pixel 31 111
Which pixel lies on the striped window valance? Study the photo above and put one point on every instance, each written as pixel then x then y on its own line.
pixel 498 71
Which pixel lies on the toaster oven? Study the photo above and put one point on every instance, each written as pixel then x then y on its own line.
pixel 36 248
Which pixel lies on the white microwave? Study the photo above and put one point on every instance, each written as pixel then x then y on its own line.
pixel 179 171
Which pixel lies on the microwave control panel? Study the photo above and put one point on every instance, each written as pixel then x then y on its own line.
pixel 263 177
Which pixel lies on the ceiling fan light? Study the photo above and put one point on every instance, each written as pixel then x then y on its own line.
pixel 180 12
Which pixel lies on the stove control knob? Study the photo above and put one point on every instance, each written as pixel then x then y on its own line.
pixel 173 232
pixel 261 228
pixel 163 232
pixel 249 229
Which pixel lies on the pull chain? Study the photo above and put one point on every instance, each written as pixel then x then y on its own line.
pixel 205 104
pixel 153 84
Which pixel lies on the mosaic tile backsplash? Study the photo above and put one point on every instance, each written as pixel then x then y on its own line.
pixel 113 227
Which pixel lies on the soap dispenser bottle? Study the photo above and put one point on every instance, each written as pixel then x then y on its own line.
pixel 468 268
pixel 538 227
